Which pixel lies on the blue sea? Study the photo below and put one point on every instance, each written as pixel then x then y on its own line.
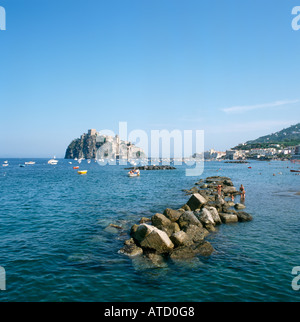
pixel 55 244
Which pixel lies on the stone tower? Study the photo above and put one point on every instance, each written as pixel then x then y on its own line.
pixel 92 132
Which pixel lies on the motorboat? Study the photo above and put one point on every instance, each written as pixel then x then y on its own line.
pixel 75 168
pixel 5 165
pixel 53 161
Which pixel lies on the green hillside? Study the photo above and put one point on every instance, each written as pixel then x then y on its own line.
pixel 286 137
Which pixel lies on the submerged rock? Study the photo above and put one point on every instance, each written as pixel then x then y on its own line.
pixel 243 216
pixel 239 206
pixel 145 220
pixel 131 249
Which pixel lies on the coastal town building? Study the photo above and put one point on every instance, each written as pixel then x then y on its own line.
pixel 288 150
pixel 234 154
pixel 213 154
pixel 263 152
pixel 296 155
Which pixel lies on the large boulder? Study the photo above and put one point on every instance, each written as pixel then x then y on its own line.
pixel 157 240
pixel 174 227
pixel 215 215
pixel 185 208
pixel 202 248
pixel 165 224
pixel 196 233
pixel 139 232
pixel 173 215
pixel 159 221
pixel 196 201
pixel 188 218
pixel 205 217
pixel 219 200
pixel 229 190
pixel 181 238
pixel 228 218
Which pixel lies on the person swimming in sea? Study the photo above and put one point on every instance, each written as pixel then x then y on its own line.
pixel 242 192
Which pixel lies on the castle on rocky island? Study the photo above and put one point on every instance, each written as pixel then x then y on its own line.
pixel 92 145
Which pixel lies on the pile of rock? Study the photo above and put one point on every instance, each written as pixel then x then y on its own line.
pixel 180 234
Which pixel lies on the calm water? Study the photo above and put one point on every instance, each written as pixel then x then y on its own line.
pixel 54 246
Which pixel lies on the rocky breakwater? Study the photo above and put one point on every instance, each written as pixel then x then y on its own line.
pixel 152 167
pixel 181 234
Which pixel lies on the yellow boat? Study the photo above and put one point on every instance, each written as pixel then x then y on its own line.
pixel 82 172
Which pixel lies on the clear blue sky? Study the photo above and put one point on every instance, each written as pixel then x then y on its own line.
pixel 230 68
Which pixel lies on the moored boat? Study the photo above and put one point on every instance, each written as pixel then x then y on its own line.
pixel 29 162
pixel 82 172
pixel 53 161
pixel 295 170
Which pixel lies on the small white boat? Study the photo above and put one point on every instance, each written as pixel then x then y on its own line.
pixel 53 161
pixel 134 173
pixel 5 162
pixel 5 165
pixel 30 163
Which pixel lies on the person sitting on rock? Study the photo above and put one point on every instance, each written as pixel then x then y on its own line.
pixel 219 189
